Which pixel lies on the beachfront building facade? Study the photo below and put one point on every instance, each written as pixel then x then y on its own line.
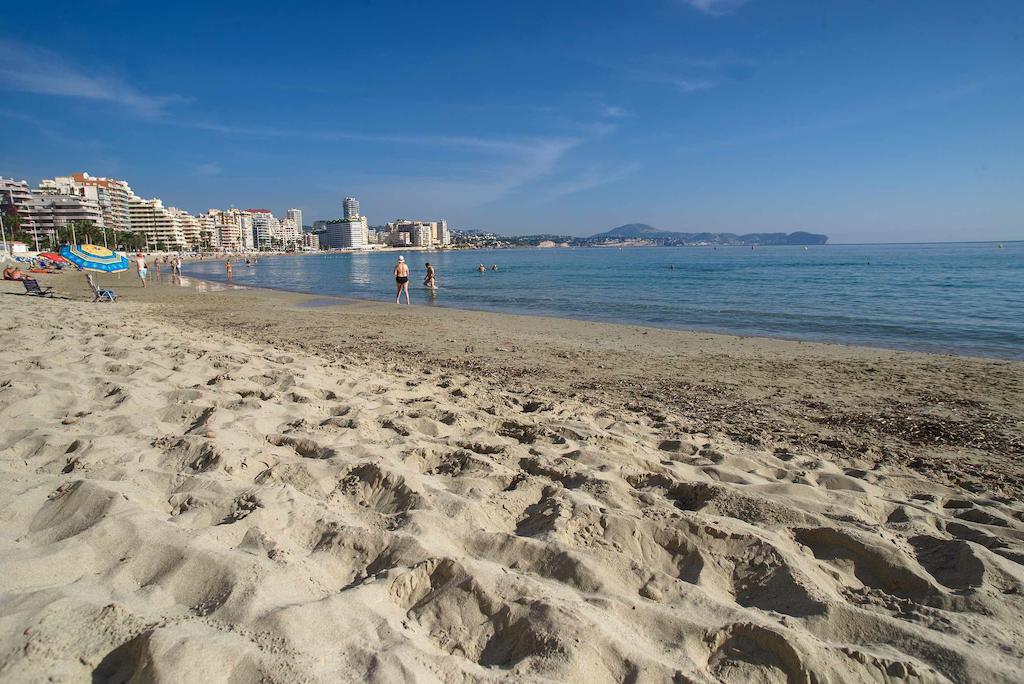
pixel 265 227
pixel 14 195
pixel 343 234
pixel 160 224
pixel 112 195
pixel 403 232
pixel 291 233
pixel 296 216
pixel 310 242
pixel 189 226
pixel 44 215
pixel 422 235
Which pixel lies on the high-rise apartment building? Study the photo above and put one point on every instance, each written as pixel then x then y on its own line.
pixel 45 215
pixel 113 196
pixel 189 226
pixel 291 234
pixel 161 225
pixel 351 208
pixel 296 215
pixel 266 229
pixel 442 236
pixel 422 234
pixel 343 234
pixel 14 195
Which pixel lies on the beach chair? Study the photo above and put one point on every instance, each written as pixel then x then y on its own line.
pixel 32 288
pixel 100 295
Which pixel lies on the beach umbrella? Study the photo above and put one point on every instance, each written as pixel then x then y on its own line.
pixel 94 258
pixel 53 256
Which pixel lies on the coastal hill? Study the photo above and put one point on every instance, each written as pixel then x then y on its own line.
pixel 642 231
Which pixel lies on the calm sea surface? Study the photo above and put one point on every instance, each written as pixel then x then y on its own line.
pixel 965 298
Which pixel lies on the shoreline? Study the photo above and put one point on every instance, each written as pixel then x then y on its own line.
pixel 909 349
pixel 621 360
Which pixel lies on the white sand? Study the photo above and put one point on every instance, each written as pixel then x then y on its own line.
pixel 179 506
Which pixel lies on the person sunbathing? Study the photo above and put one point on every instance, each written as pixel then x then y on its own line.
pixel 13 273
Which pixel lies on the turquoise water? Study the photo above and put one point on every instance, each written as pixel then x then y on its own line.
pixel 963 298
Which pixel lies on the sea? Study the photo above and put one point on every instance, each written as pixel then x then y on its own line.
pixel 956 298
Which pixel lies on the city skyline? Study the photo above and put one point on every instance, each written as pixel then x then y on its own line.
pixel 868 122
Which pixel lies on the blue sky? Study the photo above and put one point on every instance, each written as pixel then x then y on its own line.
pixel 869 121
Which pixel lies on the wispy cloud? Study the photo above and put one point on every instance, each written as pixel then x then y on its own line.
pixel 716 7
pixel 209 169
pixel 588 179
pixel 33 70
pixel 683 84
pixel 614 112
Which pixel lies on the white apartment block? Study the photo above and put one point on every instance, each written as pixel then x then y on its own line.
pixel 343 234
pixel 296 215
pixel 14 194
pixel 421 233
pixel 266 229
pixel 290 233
pixel 161 225
pixel 310 242
pixel 113 196
pixel 232 229
pixel 209 237
pixel 351 208
pixel 46 214
pixel 189 226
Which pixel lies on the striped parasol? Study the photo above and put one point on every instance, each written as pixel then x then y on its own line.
pixel 94 258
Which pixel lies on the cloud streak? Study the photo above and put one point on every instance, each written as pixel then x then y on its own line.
pixel 32 70
pixel 587 180
pixel 716 7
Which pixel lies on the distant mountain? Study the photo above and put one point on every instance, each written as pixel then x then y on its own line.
pixel 633 231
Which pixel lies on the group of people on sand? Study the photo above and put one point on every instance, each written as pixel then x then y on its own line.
pixel 14 273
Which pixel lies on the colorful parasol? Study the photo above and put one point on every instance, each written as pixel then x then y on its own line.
pixel 94 258
pixel 54 257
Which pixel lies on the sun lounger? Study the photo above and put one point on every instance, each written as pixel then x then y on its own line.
pixel 100 294
pixel 32 288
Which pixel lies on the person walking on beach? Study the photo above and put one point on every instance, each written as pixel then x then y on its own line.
pixel 429 281
pixel 140 263
pixel 401 280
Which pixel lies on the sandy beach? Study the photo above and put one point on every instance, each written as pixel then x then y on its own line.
pixel 240 485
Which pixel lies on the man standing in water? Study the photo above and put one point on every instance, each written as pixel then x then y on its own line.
pixel 430 281
pixel 401 280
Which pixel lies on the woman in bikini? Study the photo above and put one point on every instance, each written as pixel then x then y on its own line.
pixel 401 280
